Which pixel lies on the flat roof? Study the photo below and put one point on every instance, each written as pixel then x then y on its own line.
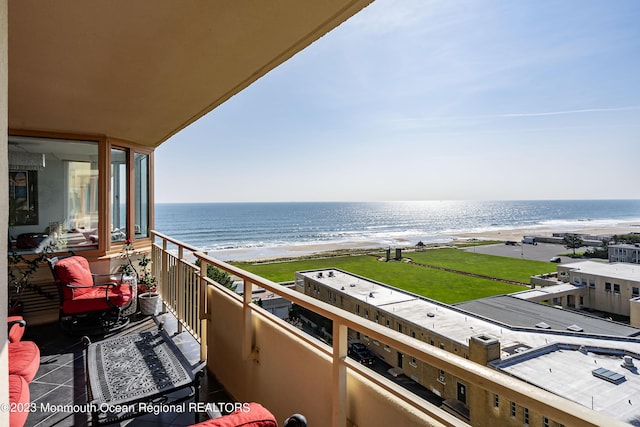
pixel 618 270
pixel 569 372
pixel 518 312
pixel 548 358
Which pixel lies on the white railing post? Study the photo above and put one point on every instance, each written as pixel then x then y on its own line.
pixel 164 278
pixel 180 287
pixel 202 308
pixel 339 376
pixel 248 352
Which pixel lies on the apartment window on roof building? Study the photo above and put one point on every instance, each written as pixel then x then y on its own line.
pixel 496 401
pixel 607 287
pixel 592 283
pixel 635 291
pixel 616 288
pixel 545 422
pixel 357 308
pixel 525 416
pixel 513 409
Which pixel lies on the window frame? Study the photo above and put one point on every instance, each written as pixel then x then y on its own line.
pixel 105 144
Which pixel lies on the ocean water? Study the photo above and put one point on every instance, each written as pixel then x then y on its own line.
pixel 260 230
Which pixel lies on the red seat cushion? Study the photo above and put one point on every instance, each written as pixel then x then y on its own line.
pixel 19 396
pixel 24 359
pixel 94 299
pixel 16 331
pixel 255 415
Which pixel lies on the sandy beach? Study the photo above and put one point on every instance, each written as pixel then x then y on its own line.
pixel 347 247
pixel 587 228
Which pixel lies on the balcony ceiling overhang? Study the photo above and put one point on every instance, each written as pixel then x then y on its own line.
pixel 143 70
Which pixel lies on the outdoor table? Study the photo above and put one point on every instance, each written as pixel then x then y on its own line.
pixel 128 374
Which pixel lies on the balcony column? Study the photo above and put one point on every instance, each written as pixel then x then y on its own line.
pixel 339 374
pixel 4 204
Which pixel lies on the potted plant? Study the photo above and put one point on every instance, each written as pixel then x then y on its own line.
pixel 150 302
pixel 145 282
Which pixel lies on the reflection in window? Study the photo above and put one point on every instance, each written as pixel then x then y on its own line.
pixel 141 208
pixel 118 195
pixel 53 193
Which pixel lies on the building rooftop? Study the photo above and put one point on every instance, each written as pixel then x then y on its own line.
pixel 595 378
pixel 626 246
pixel 517 312
pixel 620 270
pixel 546 291
pixel 539 343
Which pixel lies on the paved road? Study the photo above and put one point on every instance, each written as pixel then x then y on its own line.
pixel 539 252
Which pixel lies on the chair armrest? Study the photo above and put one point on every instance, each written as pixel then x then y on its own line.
pixel 16 320
pixel 99 285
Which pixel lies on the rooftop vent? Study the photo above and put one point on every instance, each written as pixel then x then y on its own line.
pixel 319 276
pixel 575 328
pixel 543 325
pixel 627 362
pixel 607 375
pixel 431 314
pixel 353 285
pixel 331 274
pixel 370 294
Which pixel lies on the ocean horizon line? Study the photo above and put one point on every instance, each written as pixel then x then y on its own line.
pixel 395 201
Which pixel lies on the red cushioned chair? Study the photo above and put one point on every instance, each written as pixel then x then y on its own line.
pixel 86 307
pixel 253 415
pixel 19 397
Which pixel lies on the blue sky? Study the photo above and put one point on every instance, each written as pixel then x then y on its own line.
pixel 431 100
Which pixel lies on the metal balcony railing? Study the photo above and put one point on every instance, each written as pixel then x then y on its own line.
pixel 187 293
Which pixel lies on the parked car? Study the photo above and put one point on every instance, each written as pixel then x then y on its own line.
pixel 360 353
pixel 555 259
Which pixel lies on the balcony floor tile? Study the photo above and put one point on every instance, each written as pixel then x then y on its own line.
pixel 60 379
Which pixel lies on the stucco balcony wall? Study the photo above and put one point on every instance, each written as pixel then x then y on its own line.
pixel 292 374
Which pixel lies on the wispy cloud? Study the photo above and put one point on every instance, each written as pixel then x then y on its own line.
pixel 459 119
pixel 559 113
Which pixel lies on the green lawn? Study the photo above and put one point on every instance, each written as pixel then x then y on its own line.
pixel 488 265
pixel 436 284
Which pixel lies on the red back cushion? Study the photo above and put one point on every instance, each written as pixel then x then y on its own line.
pixel 74 271
pixel 253 415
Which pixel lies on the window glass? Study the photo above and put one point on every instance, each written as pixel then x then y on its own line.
pixel 53 194
pixel 141 208
pixel 118 225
